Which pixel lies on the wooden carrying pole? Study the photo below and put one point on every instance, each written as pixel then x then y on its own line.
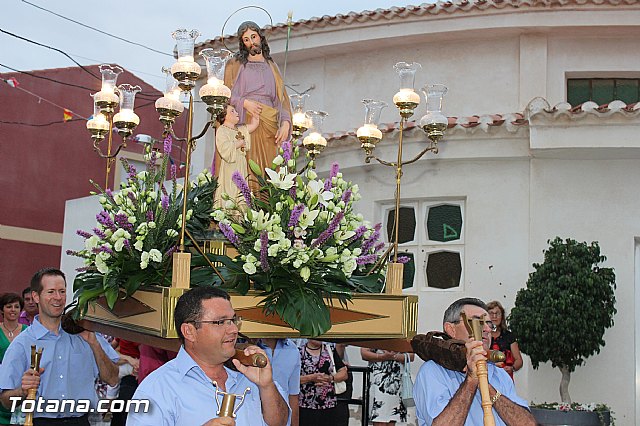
pixel 36 356
pixel 474 326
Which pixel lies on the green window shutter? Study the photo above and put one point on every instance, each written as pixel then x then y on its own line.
pixel 444 223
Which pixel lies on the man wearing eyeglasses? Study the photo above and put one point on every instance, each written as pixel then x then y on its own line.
pixel 183 391
pixel 452 398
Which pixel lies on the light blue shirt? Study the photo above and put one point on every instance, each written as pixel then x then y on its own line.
pixel 180 393
pixel 435 386
pixel 70 368
pixel 285 362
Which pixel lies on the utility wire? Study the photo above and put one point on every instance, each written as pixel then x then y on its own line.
pixel 49 47
pixel 53 80
pixel 20 123
pixel 96 29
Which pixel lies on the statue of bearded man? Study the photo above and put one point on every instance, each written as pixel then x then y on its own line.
pixel 257 88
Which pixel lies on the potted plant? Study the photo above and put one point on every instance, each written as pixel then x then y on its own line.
pixel 562 314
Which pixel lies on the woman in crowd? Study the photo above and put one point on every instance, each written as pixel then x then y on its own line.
pixel 11 305
pixel 503 339
pixel 386 386
pixel 320 367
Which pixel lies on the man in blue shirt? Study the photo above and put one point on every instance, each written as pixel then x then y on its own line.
pixel 285 360
pixel 452 398
pixel 70 363
pixel 183 391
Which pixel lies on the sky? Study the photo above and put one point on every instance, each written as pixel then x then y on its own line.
pixel 146 22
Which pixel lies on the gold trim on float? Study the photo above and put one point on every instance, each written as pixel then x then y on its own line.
pixel 368 316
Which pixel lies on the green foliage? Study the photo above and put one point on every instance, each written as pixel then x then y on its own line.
pixel 568 304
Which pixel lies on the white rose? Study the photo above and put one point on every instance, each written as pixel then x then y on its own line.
pixel 139 245
pixel 155 255
pixel 119 244
pixel 278 160
pixel 249 268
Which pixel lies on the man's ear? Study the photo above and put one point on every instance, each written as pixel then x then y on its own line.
pixel 450 329
pixel 188 331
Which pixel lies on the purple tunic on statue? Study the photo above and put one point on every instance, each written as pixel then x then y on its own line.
pixel 256 82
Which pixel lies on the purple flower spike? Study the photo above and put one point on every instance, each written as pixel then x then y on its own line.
pixel 327 233
pixel 346 197
pixel 403 259
pixel 127 244
pixel 99 233
pixel 366 246
pixel 239 181
pixel 293 191
pixel 286 151
pixel 132 172
pixel 83 234
pixel 104 219
pixel 378 247
pixel 295 215
pixel 264 245
pixel 368 258
pixel 122 221
pixel 102 249
pixel 152 160
pixel 378 226
pixel 230 235
pixel 149 216
pixel 132 197
pixel 174 172
pixel 164 202
pixel 170 251
pixel 82 269
pixel 168 141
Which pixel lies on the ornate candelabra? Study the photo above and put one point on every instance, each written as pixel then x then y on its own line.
pixel 103 120
pixel 434 123
pixel 181 78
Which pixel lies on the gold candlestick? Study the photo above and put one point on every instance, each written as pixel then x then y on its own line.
pixel 36 356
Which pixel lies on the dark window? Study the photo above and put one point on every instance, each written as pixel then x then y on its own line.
pixel 444 269
pixel 409 271
pixel 406 225
pixel 444 223
pixel 603 90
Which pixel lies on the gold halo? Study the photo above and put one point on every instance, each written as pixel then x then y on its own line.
pixel 231 16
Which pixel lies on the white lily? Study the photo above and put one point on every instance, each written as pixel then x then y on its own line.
pixel 307 217
pixel 281 179
pixel 317 187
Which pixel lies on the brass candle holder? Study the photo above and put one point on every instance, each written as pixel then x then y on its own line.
pixel 434 124
pixel 227 407
pixel 36 357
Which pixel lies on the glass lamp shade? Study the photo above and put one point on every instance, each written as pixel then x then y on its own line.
pixel 314 143
pixel 369 134
pixel 215 94
pixel 434 123
pixel 126 120
pixel 300 121
pixel 406 99
pixel 98 125
pixel 169 106
pixel 106 98
pixel 185 70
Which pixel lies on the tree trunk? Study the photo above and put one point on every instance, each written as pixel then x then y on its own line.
pixel 564 385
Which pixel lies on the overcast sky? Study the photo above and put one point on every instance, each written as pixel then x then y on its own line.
pixel 147 22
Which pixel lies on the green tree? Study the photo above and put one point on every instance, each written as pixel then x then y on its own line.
pixel 569 301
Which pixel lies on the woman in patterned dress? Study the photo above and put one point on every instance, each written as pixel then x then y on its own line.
pixel 386 386
pixel 317 399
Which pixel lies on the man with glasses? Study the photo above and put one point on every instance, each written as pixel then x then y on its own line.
pixel 452 398
pixel 182 392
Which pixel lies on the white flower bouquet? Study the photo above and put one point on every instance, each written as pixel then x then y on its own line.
pixel 299 242
pixel 138 230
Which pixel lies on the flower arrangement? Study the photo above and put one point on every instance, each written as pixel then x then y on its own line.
pixel 299 241
pixel 138 230
pixel 598 408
